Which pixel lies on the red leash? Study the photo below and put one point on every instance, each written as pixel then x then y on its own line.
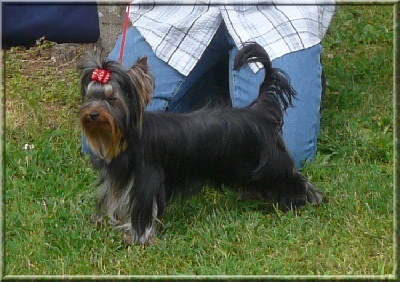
pixel 126 23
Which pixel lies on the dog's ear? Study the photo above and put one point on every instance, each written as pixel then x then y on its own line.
pixel 142 62
pixel 143 80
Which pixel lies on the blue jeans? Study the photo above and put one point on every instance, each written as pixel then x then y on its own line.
pixel 178 93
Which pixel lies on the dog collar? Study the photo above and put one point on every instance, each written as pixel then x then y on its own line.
pixel 101 76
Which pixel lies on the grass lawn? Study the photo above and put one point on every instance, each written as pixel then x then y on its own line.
pixel 49 198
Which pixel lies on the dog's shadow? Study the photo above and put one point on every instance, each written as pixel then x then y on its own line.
pixel 183 213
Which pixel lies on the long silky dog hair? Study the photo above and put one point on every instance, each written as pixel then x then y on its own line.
pixel 144 158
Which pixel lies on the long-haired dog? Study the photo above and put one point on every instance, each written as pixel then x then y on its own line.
pixel 146 157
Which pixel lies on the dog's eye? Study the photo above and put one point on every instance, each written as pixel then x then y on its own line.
pixel 111 98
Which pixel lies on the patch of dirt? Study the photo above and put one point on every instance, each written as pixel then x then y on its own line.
pixel 47 54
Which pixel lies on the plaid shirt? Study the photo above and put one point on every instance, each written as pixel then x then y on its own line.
pixel 179 34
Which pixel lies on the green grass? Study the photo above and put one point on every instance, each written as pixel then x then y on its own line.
pixel 49 197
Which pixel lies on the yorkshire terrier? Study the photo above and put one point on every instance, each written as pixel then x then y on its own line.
pixel 144 158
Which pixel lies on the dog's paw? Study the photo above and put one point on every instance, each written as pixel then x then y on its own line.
pixel 98 219
pixel 147 238
pixel 297 198
pixel 313 195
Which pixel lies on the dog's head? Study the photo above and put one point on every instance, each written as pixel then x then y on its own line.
pixel 113 101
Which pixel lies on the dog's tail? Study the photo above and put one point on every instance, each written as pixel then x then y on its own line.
pixel 275 92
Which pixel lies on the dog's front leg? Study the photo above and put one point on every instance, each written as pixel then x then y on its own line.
pixel 147 203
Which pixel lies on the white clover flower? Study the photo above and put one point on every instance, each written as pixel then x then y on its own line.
pixel 28 147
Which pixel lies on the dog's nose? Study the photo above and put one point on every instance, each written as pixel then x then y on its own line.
pixel 93 115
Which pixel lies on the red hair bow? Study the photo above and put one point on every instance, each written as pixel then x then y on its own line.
pixel 101 75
